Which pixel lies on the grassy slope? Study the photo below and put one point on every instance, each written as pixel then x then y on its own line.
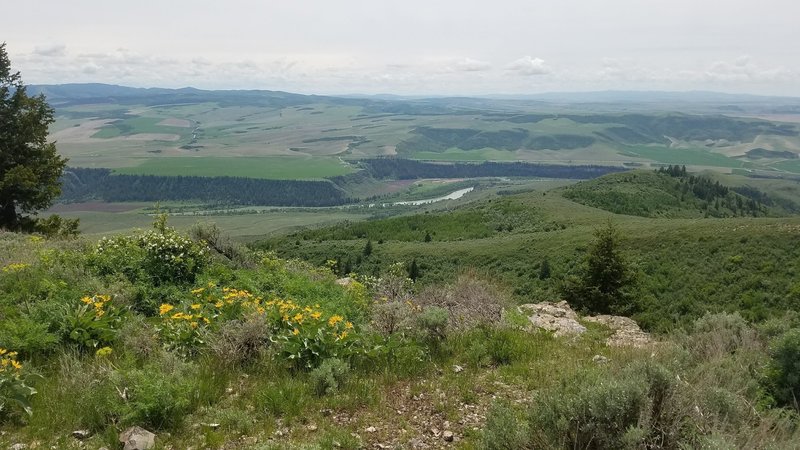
pixel 687 266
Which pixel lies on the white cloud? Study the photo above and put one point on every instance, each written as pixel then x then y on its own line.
pixel 529 66
pixel 469 65
pixel 50 50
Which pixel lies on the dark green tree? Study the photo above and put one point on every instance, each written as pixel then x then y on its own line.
pixel 30 168
pixel 368 248
pixel 428 237
pixel 413 270
pixel 605 281
pixel 544 269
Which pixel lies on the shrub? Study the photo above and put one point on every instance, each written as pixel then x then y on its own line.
pixel 161 255
pixel 784 370
pixel 329 376
pixel 721 334
pixel 588 415
pixel 390 317
pixel 470 301
pixel 29 337
pixel 240 341
pixel 504 430
pixel 432 322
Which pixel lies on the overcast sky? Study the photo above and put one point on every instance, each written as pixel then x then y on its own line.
pixel 411 46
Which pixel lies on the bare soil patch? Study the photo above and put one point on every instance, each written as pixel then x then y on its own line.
pixel 150 137
pixel 82 133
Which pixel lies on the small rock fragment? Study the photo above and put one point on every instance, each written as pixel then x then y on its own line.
pixel 371 430
pixel 81 434
pixel 137 438
pixel 18 447
pixel 448 436
pixel 599 359
pixel 457 369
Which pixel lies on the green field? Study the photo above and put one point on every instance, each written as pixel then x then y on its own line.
pixel 269 167
pixel 693 157
pixel 253 124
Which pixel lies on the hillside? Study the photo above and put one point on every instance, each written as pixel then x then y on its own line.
pixel 686 266
pixel 209 345
pixel 665 194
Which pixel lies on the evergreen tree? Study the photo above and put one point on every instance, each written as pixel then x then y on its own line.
pixel 413 270
pixel 544 270
pixel 368 248
pixel 30 168
pixel 428 237
pixel 604 283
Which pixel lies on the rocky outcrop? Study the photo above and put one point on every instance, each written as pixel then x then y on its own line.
pixel 556 317
pixel 626 331
pixel 563 321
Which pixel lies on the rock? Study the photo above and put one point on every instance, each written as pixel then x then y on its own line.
pixel 81 434
pixel 458 369
pixel 626 331
pixel 556 317
pixel 435 432
pixel 346 281
pixel 371 429
pixel 599 359
pixel 137 438
pixel 448 436
pixel 312 427
pixel 18 447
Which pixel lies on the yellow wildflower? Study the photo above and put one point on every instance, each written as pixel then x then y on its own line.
pixel 219 304
pixel 165 308
pixel 316 315
pixel 16 365
pixel 295 332
pixel 298 317
pixel 349 325
pixel 194 324
pixel 334 320
pixel 87 300
pixel 103 352
pixel 198 291
pixel 343 335
pixel 196 306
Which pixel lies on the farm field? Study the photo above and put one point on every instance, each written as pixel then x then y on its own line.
pixel 147 133
pixel 275 167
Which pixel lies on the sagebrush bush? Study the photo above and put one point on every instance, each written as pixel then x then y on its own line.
pixel 329 376
pixel 240 342
pixel 504 430
pixel 470 300
pixel 432 323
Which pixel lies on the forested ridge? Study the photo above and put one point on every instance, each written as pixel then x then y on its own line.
pixel 82 184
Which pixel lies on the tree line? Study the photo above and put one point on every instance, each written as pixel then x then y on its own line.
pixel 407 169
pixel 83 184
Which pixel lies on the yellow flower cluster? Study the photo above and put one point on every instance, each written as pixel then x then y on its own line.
pixel 15 267
pixel 8 361
pixel 295 316
pixel 104 352
pixel 99 302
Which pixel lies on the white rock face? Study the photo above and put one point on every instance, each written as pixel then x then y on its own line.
pixel 563 321
pixel 556 317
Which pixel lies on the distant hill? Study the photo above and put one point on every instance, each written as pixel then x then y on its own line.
pixel 651 194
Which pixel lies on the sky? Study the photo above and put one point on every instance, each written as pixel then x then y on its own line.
pixel 411 47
